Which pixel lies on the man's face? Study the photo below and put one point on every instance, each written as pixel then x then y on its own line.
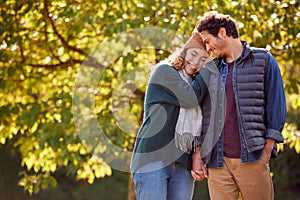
pixel 216 45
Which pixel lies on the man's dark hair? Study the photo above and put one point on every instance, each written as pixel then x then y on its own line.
pixel 213 21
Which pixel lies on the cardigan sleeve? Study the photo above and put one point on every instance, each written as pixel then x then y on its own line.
pixel 166 86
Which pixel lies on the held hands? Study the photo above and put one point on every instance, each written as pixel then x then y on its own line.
pixel 199 171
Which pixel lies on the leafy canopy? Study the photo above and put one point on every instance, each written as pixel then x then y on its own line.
pixel 46 43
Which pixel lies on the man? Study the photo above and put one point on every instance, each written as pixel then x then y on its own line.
pixel 254 113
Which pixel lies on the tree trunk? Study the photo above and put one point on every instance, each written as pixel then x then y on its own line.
pixel 131 193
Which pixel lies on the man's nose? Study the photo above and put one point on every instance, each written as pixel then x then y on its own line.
pixel 208 49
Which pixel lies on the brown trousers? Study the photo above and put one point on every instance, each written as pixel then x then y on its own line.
pixel 250 181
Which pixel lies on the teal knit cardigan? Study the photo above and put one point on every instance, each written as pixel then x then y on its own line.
pixel 165 94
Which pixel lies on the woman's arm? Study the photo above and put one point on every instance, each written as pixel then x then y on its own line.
pixel 166 86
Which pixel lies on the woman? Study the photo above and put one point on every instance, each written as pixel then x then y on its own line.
pixel 166 154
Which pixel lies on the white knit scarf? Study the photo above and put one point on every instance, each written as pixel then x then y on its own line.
pixel 189 124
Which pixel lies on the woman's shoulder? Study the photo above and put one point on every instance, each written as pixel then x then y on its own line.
pixel 165 67
pixel 163 72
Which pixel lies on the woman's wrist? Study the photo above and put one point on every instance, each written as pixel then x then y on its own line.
pixel 196 153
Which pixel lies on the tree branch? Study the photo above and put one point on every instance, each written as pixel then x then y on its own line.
pixel 71 62
pixel 65 64
pixel 64 42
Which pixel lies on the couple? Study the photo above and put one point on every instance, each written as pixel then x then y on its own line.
pixel 211 118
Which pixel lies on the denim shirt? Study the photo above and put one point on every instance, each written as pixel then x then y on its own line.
pixel 275 111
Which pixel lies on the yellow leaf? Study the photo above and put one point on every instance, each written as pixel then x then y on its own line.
pixel 297 147
pixel 91 179
pixel 22 182
pixel 2 140
pixel 57 117
pixel 14 130
pixel 53 167
pixel 34 127
pixel 100 172
pixel 36 168
pixel 108 171
pixel 29 161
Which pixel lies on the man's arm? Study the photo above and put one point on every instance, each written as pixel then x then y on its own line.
pixel 275 104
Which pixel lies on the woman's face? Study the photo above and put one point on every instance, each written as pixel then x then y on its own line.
pixel 194 60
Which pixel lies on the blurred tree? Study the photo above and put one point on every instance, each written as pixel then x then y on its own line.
pixel 66 97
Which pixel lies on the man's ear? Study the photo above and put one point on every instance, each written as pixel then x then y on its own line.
pixel 222 33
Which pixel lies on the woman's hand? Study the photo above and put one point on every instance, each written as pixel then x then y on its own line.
pixel 199 171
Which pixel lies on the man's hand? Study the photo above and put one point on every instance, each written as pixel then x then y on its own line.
pixel 199 171
pixel 269 146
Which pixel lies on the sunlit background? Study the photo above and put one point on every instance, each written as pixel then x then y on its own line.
pixel 44 43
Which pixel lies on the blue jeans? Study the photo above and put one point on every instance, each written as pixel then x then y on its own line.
pixel 172 182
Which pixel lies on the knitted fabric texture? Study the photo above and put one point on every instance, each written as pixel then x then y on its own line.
pixel 189 124
pixel 195 41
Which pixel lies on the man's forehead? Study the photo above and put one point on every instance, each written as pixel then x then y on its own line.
pixel 204 32
pixel 205 36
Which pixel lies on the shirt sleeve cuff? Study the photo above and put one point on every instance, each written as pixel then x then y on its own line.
pixel 274 134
